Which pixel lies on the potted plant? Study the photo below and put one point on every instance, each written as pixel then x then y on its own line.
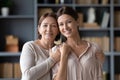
pixel 5 7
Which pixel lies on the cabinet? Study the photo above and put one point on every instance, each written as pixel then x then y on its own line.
pixel 22 22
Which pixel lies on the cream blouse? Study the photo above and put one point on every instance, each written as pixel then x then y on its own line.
pixel 35 62
pixel 86 67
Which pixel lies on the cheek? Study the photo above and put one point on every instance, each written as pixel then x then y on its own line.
pixel 40 30
pixel 60 28
pixel 56 31
pixel 74 26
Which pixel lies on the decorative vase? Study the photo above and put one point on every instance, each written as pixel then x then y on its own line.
pixel 91 15
pixel 5 11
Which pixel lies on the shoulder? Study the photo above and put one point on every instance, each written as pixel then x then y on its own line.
pixel 27 48
pixel 28 44
pixel 95 46
pixel 98 52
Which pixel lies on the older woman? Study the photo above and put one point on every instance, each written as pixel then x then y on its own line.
pixel 35 60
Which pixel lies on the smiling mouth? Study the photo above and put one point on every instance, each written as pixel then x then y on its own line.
pixel 67 32
pixel 49 35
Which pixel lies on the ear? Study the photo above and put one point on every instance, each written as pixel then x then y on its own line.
pixel 38 28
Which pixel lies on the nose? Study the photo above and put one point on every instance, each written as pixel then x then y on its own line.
pixel 49 28
pixel 65 26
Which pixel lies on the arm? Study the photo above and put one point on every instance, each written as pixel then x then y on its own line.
pixel 97 69
pixel 100 56
pixel 62 72
pixel 100 59
pixel 62 69
pixel 30 69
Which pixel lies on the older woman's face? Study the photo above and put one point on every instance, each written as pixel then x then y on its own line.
pixel 48 29
pixel 67 25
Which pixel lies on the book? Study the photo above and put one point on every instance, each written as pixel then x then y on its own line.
pixel 117 43
pixel 106 43
pixel 80 19
pixel 104 2
pixel 91 25
pixel 95 1
pixel 87 1
pixel 83 1
pixel 103 42
pixel 117 1
pixel 105 20
pixel 117 18
pixel 12 43
pixel 17 71
pixel 42 11
pixel 6 70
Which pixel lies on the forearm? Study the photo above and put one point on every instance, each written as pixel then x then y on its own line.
pixel 37 71
pixel 33 67
pixel 62 71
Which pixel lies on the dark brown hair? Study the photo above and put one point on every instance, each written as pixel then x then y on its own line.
pixel 53 15
pixel 69 11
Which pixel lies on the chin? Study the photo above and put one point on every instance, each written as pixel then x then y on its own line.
pixel 49 39
pixel 67 36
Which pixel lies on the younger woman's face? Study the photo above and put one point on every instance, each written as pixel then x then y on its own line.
pixel 67 25
pixel 48 29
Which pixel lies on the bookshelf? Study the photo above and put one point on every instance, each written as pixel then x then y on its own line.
pixel 105 33
pixel 22 22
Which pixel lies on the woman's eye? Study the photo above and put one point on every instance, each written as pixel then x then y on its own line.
pixel 45 25
pixel 54 25
pixel 60 24
pixel 69 21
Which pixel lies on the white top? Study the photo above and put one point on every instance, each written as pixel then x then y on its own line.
pixel 86 67
pixel 35 62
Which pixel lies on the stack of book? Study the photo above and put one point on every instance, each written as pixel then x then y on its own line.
pixel 12 43
pixel 10 70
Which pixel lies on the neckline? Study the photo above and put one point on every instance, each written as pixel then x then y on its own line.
pixel 40 47
pixel 88 45
pixel 45 51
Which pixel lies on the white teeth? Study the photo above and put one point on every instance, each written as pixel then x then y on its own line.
pixel 48 35
pixel 67 32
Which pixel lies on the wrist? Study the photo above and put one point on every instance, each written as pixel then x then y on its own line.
pixel 51 61
pixel 54 59
pixel 64 57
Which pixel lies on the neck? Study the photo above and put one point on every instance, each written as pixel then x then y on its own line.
pixel 75 40
pixel 46 44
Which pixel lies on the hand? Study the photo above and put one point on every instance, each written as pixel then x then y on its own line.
pixel 55 53
pixel 65 50
pixel 100 56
